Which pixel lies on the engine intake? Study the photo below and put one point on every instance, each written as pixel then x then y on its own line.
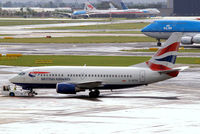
pixel 196 39
pixel 186 40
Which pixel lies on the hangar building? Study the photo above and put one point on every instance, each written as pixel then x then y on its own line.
pixel 185 7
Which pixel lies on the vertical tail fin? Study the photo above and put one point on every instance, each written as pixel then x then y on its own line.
pixel 89 7
pixel 165 57
pixel 123 5
pixel 112 6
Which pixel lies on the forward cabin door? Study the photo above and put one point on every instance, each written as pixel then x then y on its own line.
pixel 37 75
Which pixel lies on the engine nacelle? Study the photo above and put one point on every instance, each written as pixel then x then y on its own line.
pixel 64 88
pixel 196 39
pixel 86 16
pixel 187 40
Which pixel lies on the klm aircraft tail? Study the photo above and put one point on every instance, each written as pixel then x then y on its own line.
pixel 123 5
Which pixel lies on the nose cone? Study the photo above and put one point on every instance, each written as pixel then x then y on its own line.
pixel 75 13
pixel 13 79
pixel 157 11
pixel 146 29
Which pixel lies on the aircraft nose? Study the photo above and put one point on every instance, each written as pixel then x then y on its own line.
pixel 13 79
pixel 157 11
pixel 145 29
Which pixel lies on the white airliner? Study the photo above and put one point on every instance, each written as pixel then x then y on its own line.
pixel 73 79
pixel 147 11
pixel 92 10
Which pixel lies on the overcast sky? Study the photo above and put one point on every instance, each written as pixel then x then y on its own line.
pixel 134 1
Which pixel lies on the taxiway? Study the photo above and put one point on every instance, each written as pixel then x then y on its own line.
pixel 107 49
pixel 171 106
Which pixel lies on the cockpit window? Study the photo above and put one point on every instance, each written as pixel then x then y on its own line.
pixel 22 73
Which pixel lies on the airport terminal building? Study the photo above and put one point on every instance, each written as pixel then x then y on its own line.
pixel 185 7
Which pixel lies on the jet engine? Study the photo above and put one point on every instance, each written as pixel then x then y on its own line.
pixel 187 40
pixel 196 39
pixel 85 16
pixel 64 88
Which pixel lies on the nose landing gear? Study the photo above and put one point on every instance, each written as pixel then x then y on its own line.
pixel 159 43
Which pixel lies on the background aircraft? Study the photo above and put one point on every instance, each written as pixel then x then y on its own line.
pixel 162 29
pixel 76 14
pixel 73 79
pixel 147 11
pixel 92 10
pixel 112 7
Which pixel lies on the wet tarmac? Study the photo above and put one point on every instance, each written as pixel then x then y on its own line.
pixel 108 49
pixel 167 107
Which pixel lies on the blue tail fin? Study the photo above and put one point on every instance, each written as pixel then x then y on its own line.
pixel 123 6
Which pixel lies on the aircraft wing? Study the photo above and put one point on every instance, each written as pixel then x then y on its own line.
pixel 66 14
pixel 88 84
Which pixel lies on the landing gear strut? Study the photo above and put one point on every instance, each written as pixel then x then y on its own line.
pixel 159 43
pixel 32 93
pixel 94 94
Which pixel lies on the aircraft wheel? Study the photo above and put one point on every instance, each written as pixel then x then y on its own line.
pixel 159 44
pixel 12 94
pixel 94 94
pixel 30 94
pixel 97 93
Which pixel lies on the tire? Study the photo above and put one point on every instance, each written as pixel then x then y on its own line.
pixel 159 44
pixel 94 94
pixel 30 94
pixel 12 94
pixel 97 93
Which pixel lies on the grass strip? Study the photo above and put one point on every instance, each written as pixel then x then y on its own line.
pixel 34 22
pixel 65 60
pixel 88 39
pixel 105 26
pixel 103 32
pixel 180 50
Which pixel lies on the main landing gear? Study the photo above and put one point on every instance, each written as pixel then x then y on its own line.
pixel 32 93
pixel 159 43
pixel 94 93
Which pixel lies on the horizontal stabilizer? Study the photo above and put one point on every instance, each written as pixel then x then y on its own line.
pixel 174 69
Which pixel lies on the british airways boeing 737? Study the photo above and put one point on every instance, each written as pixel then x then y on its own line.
pixel 73 79
pixel 162 29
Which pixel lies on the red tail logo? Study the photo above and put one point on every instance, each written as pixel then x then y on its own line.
pixel 90 6
pixel 170 48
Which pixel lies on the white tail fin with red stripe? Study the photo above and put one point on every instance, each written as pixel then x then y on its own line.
pixel 165 57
